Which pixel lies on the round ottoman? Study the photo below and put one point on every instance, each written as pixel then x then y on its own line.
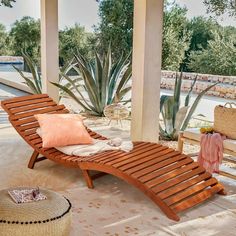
pixel 50 217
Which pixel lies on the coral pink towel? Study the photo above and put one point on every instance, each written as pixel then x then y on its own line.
pixel 211 153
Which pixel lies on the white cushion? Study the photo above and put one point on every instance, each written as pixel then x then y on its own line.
pixel 194 134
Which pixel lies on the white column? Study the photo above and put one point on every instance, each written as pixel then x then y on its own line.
pixel 49 47
pixel 146 77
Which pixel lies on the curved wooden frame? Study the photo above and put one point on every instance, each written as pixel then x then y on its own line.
pixel 171 179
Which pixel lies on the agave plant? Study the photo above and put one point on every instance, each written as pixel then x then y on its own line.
pixel 175 117
pixel 34 81
pixel 104 82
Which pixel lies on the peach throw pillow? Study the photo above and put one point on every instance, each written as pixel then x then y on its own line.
pixel 59 130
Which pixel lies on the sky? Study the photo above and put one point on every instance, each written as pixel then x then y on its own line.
pixel 84 12
pixel 197 8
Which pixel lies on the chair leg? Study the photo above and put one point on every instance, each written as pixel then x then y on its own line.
pixel 88 178
pixel 33 160
pixel 222 191
pixel 180 142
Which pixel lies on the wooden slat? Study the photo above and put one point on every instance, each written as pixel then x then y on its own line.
pixel 50 151
pixel 36 141
pixel 167 154
pixel 111 155
pixel 146 153
pixel 155 153
pixel 67 158
pixel 149 177
pixel 133 153
pixel 30 126
pixel 39 145
pixel 32 137
pixel 30 102
pixel 96 136
pixel 190 171
pixel 58 155
pixel 196 199
pixel 190 191
pixel 24 98
pixel 166 169
pixel 31 119
pixel 29 132
pixel 96 157
pixel 147 169
pixel 42 111
pixel 114 156
pixel 106 156
pixel 33 107
pixel 170 173
pixel 184 185
pixel 24 121
pixel 156 158
pixel 103 155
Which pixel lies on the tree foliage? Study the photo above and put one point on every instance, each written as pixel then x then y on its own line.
pixel 7 3
pixel 73 40
pixel 201 29
pixel 220 7
pixel 184 41
pixel 3 40
pixel 176 38
pixel 116 26
pixel 218 58
pixel 25 36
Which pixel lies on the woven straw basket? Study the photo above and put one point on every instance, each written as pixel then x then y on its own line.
pixel 51 217
pixel 225 120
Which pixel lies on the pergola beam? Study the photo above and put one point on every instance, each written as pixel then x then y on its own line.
pixel 146 76
pixel 49 47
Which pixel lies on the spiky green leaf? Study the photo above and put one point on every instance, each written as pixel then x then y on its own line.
pixel 194 106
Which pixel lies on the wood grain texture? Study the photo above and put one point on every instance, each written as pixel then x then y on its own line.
pixel 172 180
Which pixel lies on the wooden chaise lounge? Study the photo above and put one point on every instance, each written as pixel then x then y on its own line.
pixel 171 179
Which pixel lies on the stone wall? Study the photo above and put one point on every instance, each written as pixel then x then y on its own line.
pixel 11 59
pixel 226 88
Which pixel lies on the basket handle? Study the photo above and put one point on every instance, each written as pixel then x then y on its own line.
pixel 230 104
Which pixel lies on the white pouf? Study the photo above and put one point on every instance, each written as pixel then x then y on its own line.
pixel 50 217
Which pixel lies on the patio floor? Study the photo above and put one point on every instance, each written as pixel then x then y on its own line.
pixel 113 208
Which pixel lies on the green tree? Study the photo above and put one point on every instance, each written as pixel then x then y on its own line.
pixel 7 3
pixel 176 37
pixel 115 27
pixel 229 30
pixel 218 58
pixel 201 29
pixel 220 7
pixel 3 40
pixel 73 40
pixel 25 36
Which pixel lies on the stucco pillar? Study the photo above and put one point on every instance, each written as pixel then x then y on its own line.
pixel 49 47
pixel 146 77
